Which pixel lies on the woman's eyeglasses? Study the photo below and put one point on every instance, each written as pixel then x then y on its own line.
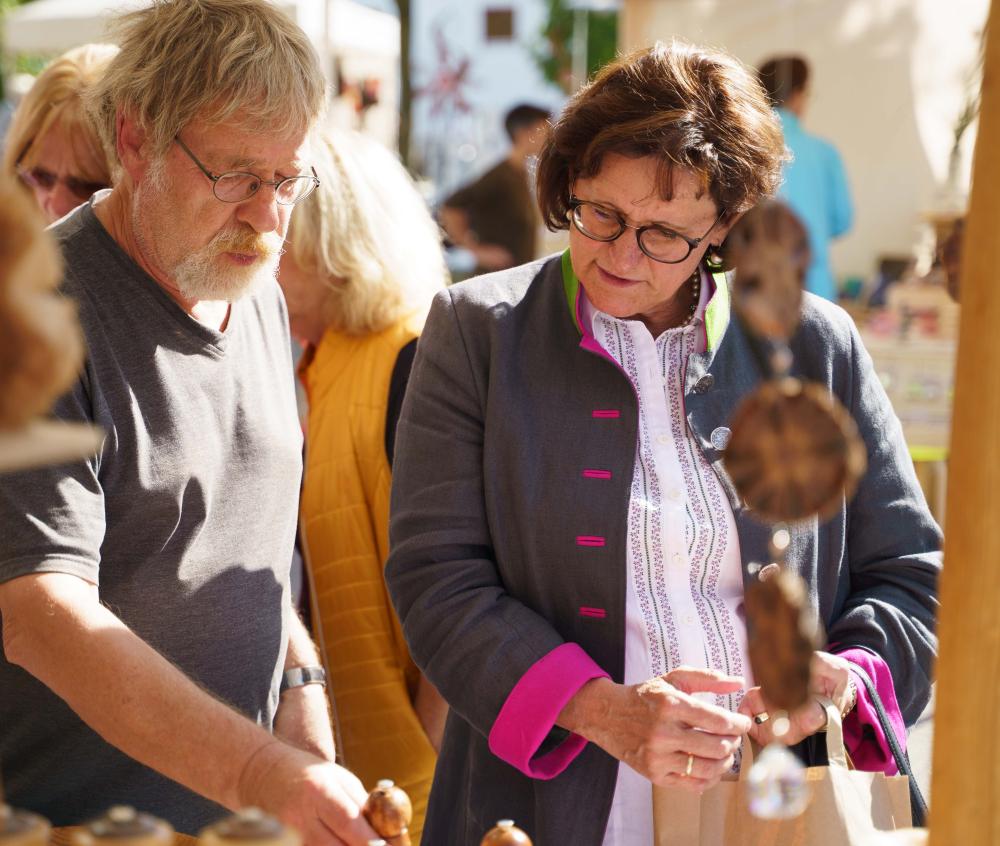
pixel 46 180
pixel 657 242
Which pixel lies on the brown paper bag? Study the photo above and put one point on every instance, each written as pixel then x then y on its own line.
pixel 846 807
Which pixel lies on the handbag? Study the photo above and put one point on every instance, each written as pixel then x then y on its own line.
pixel 846 807
pixel 918 805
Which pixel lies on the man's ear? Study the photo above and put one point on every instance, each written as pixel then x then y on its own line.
pixel 131 144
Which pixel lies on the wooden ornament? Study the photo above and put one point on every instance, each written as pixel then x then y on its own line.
pixel 389 812
pixel 21 828
pixel 769 249
pixel 505 833
pixel 794 451
pixel 782 635
pixel 124 826
pixel 41 347
pixel 250 825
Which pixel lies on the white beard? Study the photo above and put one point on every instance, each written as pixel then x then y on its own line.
pixel 207 275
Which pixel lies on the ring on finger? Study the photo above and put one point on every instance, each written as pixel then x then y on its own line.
pixel 761 718
pixel 690 766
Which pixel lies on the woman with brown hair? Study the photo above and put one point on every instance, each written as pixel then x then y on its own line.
pixel 569 557
pixel 52 146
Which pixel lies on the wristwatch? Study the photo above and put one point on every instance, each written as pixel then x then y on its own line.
pixel 299 676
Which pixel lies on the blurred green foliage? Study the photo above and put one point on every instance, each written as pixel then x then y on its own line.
pixel 554 56
pixel 22 64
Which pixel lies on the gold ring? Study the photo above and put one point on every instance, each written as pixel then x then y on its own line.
pixel 690 767
pixel 761 718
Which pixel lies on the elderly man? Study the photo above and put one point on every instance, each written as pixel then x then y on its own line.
pixel 149 641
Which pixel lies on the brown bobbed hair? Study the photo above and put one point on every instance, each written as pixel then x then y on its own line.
pixel 689 107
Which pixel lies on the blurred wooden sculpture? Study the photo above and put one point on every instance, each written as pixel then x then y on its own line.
pixel 40 345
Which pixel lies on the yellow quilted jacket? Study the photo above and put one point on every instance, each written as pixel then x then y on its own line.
pixel 345 532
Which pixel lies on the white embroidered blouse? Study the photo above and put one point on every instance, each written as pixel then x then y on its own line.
pixel 684 601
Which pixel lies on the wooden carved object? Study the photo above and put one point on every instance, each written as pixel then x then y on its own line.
pixel 250 825
pixel 124 826
pixel 389 812
pixel 782 636
pixel 21 828
pixel 794 451
pixel 505 833
pixel 40 344
pixel 769 249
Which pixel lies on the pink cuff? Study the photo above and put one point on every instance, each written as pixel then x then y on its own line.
pixel 863 736
pixel 533 706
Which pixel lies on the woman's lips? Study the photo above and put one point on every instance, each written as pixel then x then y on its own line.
pixel 617 281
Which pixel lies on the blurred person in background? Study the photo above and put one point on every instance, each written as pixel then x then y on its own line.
pixel 364 260
pixel 496 217
pixel 814 182
pixel 52 145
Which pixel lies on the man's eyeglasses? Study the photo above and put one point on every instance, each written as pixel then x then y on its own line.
pixel 659 243
pixel 46 180
pixel 236 186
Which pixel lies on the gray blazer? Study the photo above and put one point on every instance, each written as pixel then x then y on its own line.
pixel 488 500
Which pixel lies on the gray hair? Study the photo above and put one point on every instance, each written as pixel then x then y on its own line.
pixel 210 59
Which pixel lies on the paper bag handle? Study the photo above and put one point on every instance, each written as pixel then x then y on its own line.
pixel 836 752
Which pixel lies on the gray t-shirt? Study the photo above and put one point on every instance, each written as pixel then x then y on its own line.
pixel 185 519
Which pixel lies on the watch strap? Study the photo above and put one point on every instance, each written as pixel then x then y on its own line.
pixel 299 676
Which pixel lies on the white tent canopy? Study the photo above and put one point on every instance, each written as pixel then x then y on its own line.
pixel 53 26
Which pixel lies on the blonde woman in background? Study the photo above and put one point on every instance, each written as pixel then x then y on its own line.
pixel 52 146
pixel 362 263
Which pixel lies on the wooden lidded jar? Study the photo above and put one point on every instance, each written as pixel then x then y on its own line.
pixel 22 828
pixel 505 833
pixel 389 812
pixel 250 825
pixel 124 826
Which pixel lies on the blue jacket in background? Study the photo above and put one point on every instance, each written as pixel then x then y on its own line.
pixel 815 186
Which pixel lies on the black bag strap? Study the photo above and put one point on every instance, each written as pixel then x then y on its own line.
pixel 918 806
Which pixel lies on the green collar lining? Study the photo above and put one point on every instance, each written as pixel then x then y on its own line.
pixel 717 311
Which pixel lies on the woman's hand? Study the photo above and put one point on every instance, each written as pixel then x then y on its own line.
pixel 659 728
pixel 831 678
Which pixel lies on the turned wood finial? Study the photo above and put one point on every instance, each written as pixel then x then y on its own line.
pixel 124 826
pixel 21 828
pixel 249 825
pixel 389 812
pixel 505 833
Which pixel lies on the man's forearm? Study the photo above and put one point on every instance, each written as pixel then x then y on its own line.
pixel 303 717
pixel 55 628
pixel 301 650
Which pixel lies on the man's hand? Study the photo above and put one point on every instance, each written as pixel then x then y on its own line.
pixel 320 799
pixel 303 720
pixel 831 676
pixel 659 728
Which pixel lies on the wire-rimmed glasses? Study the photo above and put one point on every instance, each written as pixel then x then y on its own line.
pixel 237 186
